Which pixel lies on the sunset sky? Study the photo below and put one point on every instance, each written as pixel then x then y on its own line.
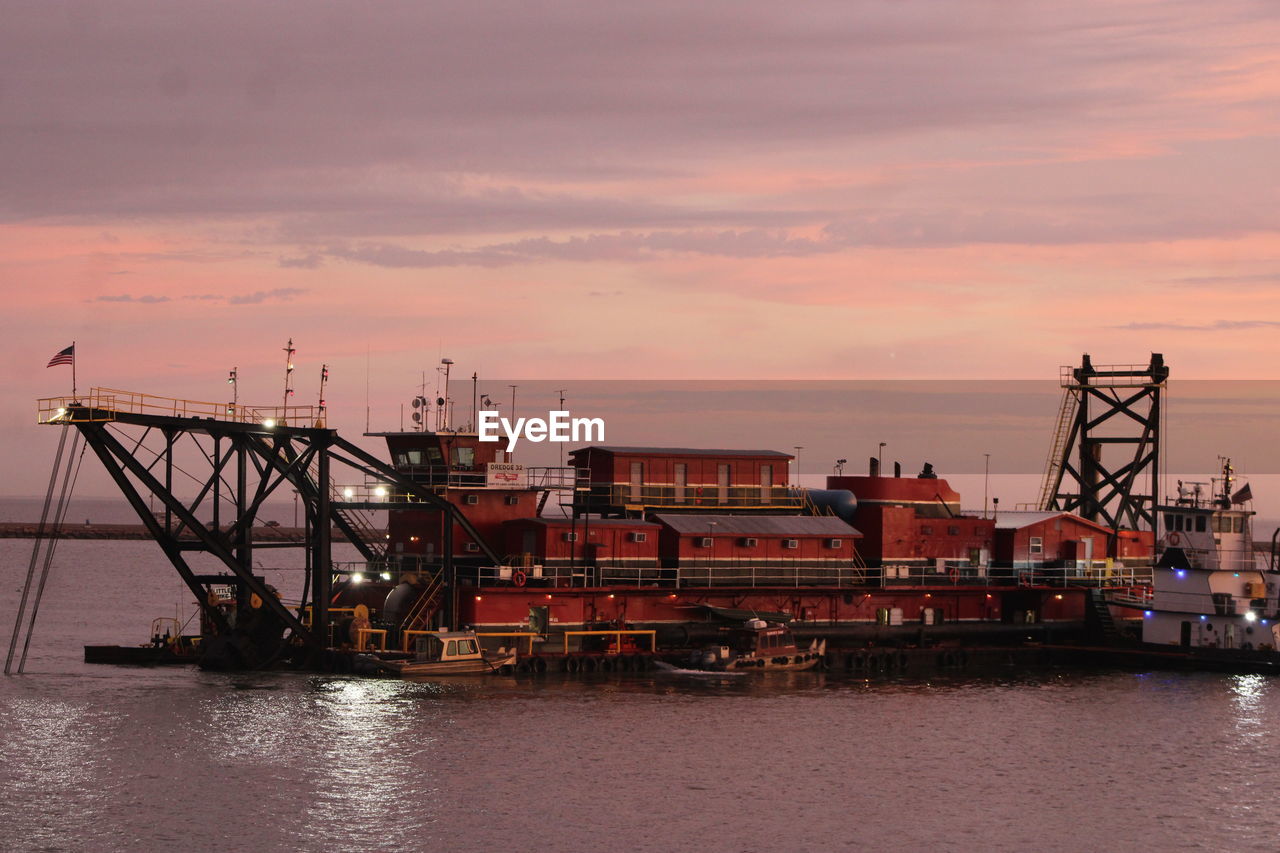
pixel 560 191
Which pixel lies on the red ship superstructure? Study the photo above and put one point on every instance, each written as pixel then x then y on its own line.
pixel 631 549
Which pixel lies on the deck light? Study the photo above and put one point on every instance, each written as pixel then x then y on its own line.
pixel 1204 618
pixel 1182 573
pixel 269 423
pixel 357 577
pixel 1250 616
pixel 1058 596
pixel 548 596
pixel 348 492
pixel 381 491
pixel 386 576
pixel 479 598
pixel 1148 613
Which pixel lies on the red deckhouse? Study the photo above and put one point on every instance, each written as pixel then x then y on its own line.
pixel 624 481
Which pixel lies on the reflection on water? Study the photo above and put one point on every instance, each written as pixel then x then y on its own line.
pixel 109 758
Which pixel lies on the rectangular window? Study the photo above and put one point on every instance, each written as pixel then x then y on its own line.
pixel 834 543
pixel 766 484
pixel 414 457
pixel 1237 524
pixel 749 542
pixel 639 537
pixel 472 547
pixel 791 544
pixel 953 530
pixel 570 537
pixel 464 457
pixel 1037 545
pixel 513 500
pixel 682 480
pixel 704 542
pixel 1199 524
pixel 471 500
pixel 637 482
pixel 926 530
pixel 722 481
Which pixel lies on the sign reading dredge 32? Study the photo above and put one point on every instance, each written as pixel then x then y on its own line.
pixel 559 426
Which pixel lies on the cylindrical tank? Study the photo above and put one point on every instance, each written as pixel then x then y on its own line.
pixel 399 600
pixel 839 501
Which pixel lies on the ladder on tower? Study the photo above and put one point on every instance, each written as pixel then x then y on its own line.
pixel 1061 437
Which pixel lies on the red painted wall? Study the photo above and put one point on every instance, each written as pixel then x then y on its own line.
pixel 599 543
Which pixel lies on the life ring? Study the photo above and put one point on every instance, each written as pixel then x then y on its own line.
pixel 1175 538
pixel 518 577
pixel 954 574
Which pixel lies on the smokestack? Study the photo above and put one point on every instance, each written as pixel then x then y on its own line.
pixel 875 467
pixel 897 469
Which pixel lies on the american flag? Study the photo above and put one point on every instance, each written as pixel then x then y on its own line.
pixel 67 356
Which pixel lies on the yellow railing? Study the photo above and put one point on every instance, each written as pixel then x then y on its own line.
pixel 306 613
pixel 617 638
pixel 527 635
pixel 363 636
pixel 107 404
pixel 406 636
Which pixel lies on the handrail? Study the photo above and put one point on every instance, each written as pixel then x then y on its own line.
pixel 528 635
pixel 107 404
pixel 617 635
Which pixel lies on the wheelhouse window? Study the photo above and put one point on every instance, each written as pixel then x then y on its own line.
pixel 1199 524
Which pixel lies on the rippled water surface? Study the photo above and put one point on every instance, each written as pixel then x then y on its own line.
pixel 111 758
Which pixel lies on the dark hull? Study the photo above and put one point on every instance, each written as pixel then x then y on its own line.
pixel 1239 661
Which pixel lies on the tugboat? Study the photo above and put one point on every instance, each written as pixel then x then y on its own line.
pixel 760 645
pixel 1212 606
pixel 451 653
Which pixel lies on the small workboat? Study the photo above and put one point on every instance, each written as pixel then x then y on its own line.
pixel 760 645
pixel 451 653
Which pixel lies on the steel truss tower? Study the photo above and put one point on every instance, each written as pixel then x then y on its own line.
pixel 1108 407
pixel 220 463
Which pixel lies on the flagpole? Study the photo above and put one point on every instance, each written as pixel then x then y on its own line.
pixel 73 372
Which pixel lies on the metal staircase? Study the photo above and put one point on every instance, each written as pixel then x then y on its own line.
pixel 1100 620
pixel 426 605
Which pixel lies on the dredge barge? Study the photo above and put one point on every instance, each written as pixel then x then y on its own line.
pixel 625 554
